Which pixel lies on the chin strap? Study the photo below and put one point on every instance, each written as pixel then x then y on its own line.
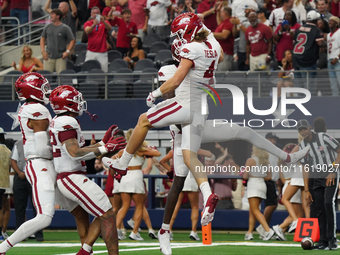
pixel 94 117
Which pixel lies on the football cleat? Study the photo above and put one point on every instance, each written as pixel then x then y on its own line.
pixel 114 165
pixel 295 157
pixel 209 209
pixel 164 241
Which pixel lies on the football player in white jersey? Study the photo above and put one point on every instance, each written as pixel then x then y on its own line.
pixel 69 158
pixel 34 120
pixel 195 73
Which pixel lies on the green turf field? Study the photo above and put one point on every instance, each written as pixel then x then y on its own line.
pixel 66 243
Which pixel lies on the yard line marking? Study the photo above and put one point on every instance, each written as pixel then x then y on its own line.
pixel 189 245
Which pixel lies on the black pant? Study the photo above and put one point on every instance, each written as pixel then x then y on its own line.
pixel 241 65
pixel 22 191
pixel 313 211
pixel 325 197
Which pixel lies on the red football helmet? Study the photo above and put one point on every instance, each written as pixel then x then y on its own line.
pixel 66 98
pixel 186 26
pixel 176 49
pixel 34 86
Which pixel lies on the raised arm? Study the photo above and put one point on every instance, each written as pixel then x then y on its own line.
pixel 47 7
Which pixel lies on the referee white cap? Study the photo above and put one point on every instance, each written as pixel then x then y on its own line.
pixel 302 124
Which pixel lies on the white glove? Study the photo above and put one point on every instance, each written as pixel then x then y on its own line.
pixel 150 100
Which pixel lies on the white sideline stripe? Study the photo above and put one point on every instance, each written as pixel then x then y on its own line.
pixel 184 245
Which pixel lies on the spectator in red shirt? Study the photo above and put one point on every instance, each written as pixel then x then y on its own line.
pixel 335 8
pixel 208 9
pixel 259 44
pixel 4 7
pixel 284 35
pixel 137 14
pixel 126 30
pixel 111 6
pixel 225 37
pixel 96 31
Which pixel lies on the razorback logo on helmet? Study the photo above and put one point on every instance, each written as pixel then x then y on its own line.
pixel 32 78
pixel 65 93
pixel 185 50
pixel 44 170
pixel 184 21
pixel 160 74
pixel 37 114
pixel 85 180
pixel 67 127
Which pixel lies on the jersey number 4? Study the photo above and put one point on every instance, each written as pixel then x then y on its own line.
pixel 210 72
pixel 299 47
pixel 56 152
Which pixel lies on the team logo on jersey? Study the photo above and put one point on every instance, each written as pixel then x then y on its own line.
pixel 185 50
pixel 44 170
pixel 67 127
pixel 160 74
pixel 36 114
pixel 85 180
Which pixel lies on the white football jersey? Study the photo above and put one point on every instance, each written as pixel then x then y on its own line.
pixel 333 44
pixel 62 161
pixel 204 56
pixel 27 112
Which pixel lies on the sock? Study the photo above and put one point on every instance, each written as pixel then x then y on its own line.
pixel 87 247
pixel 206 191
pixel 166 226
pixel 125 159
pixel 39 222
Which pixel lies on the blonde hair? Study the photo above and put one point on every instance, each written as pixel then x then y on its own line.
pixel 202 35
pixel 142 147
pixel 108 3
pixel 300 138
pixel 23 58
pixel 262 155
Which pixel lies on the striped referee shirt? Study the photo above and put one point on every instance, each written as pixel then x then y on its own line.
pixel 322 154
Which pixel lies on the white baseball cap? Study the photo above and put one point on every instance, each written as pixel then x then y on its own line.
pixel 2 131
pixel 313 15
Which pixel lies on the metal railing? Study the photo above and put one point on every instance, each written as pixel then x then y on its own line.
pixel 15 34
pixel 138 85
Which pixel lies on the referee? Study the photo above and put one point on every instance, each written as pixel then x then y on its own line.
pixel 319 165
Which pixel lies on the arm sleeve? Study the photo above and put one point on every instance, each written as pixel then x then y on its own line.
pixel 42 144
pixel 69 34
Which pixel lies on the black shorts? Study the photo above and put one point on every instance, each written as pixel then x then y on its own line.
pixel 2 192
pixel 271 193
